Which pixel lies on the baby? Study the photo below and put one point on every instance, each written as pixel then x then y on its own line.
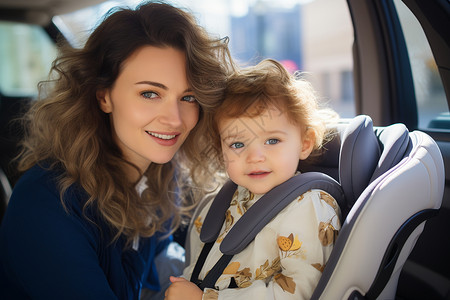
pixel 269 121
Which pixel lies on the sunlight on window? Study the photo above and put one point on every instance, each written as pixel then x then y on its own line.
pixel 26 54
pixel 308 36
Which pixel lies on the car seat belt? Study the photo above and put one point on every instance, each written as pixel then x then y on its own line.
pixel 254 219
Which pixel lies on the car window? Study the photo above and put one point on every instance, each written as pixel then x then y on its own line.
pixel 430 95
pixel 26 54
pixel 77 26
pixel 327 40
pixel 314 37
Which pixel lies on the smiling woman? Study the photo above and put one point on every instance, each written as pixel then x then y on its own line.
pixel 109 148
pixel 152 108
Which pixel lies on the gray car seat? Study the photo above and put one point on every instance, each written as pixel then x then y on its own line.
pixel 393 181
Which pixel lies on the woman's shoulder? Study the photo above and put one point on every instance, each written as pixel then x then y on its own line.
pixel 36 201
pixel 37 179
pixel 39 188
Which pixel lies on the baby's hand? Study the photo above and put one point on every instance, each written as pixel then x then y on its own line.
pixel 177 279
pixel 182 289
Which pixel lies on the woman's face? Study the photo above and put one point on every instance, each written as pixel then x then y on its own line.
pixel 152 108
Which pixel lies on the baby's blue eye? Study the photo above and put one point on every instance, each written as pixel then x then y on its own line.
pixel 237 145
pixel 272 141
pixel 189 98
pixel 149 95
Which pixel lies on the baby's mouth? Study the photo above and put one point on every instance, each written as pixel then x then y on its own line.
pixel 256 173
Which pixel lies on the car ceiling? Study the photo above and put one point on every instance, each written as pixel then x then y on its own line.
pixel 41 11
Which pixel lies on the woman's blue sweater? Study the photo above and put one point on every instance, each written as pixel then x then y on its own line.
pixel 47 253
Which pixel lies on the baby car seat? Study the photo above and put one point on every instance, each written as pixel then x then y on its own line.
pixel 393 181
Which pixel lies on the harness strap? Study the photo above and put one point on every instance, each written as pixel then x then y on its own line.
pixel 254 219
pixel 200 262
pixel 216 214
pixel 213 274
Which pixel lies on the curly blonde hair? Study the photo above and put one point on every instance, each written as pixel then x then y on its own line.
pixel 66 129
pixel 251 90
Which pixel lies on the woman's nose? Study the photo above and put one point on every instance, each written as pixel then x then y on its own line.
pixel 170 113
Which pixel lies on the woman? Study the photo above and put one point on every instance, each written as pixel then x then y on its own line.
pixel 107 155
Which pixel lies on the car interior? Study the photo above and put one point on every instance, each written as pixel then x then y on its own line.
pixel 393 167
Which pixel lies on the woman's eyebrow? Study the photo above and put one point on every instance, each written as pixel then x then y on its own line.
pixel 157 84
pixel 160 85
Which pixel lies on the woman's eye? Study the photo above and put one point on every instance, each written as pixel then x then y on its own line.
pixel 237 145
pixel 189 98
pixel 272 141
pixel 149 95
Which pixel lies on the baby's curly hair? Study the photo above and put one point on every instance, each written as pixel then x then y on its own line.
pixel 251 91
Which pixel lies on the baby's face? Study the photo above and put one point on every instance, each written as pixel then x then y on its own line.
pixel 262 152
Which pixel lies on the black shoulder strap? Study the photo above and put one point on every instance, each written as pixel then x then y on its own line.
pixel 216 213
pixel 254 219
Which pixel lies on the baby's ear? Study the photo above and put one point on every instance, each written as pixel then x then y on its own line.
pixel 104 101
pixel 308 142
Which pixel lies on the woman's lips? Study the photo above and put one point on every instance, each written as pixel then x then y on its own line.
pixel 164 139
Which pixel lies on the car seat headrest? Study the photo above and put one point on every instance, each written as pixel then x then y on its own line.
pixel 325 159
pixel 395 144
pixel 358 158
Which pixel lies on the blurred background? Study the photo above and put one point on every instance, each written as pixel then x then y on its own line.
pixel 310 36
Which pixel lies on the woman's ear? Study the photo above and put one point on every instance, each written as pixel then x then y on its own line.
pixel 104 100
pixel 308 142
